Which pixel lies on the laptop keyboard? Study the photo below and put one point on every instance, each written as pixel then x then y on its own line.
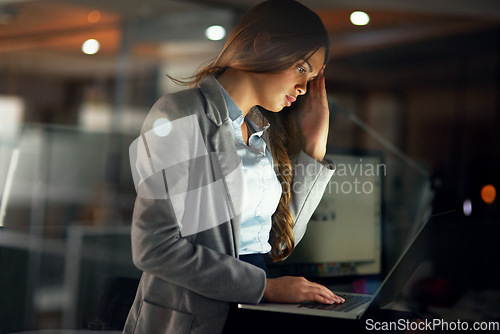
pixel 350 303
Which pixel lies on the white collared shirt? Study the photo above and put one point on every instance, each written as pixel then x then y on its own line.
pixel 262 187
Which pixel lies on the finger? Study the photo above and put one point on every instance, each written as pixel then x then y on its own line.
pixel 323 71
pixel 312 86
pixel 321 85
pixel 336 299
pixel 340 298
pixel 330 295
pixel 317 89
pixel 321 74
pixel 317 86
pixel 320 293
pixel 322 298
pixel 320 81
pixel 325 293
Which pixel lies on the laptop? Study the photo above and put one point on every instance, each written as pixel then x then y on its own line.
pixel 355 304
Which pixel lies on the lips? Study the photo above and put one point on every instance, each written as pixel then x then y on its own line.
pixel 289 100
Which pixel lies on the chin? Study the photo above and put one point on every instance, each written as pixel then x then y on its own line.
pixel 273 108
pixel 278 108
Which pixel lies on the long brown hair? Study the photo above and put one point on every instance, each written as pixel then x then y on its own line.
pixel 290 32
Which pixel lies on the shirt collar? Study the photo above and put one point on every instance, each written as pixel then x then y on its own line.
pixel 257 121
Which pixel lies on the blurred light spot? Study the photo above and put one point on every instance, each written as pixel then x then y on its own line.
pixel 90 46
pixel 162 127
pixel 94 16
pixel 488 194
pixel 467 207
pixel 215 33
pixel 360 18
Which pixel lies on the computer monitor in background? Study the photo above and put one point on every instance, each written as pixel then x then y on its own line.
pixel 344 235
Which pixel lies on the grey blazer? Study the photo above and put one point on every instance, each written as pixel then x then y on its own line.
pixel 189 281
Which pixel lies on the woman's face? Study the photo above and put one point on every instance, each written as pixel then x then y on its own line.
pixel 278 90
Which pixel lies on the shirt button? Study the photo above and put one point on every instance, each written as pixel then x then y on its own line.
pixel 267 181
pixel 258 213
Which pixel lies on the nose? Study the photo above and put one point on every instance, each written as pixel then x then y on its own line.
pixel 301 88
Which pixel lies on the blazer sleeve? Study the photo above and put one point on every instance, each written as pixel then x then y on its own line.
pixel 308 185
pixel 158 248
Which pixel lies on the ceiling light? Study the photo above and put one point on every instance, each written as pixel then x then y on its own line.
pixel 360 18
pixel 94 16
pixel 488 194
pixel 215 33
pixel 90 46
pixel 467 207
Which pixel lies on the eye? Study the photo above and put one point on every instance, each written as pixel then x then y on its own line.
pixel 301 69
pixel 312 79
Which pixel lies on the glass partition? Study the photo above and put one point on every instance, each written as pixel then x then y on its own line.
pixel 66 225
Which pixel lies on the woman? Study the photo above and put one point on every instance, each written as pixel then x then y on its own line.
pixel 225 175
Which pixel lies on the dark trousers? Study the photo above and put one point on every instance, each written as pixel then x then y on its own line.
pixel 257 260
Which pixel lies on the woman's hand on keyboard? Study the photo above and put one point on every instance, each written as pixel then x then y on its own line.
pixel 289 289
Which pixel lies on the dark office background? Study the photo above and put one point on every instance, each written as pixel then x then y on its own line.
pixel 424 75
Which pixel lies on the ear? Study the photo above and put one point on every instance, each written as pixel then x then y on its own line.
pixel 261 42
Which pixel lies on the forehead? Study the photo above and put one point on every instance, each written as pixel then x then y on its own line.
pixel 317 59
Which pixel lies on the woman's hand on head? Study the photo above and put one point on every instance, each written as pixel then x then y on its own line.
pixel 315 118
pixel 288 289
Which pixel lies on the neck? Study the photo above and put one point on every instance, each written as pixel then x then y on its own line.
pixel 238 85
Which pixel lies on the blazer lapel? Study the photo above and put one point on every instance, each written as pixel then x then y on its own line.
pixel 225 160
